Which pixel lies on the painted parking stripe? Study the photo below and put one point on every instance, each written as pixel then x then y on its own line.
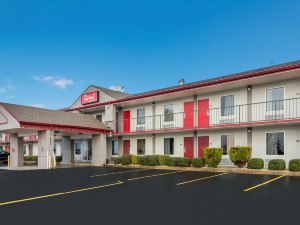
pixel 202 178
pixel 264 183
pixel 154 175
pixel 59 194
pixel 127 171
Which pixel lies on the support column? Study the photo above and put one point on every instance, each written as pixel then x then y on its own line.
pixel 16 151
pixel 195 144
pixel 99 152
pixel 45 152
pixel 67 150
pixel 153 143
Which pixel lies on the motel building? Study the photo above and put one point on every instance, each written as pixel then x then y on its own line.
pixel 258 108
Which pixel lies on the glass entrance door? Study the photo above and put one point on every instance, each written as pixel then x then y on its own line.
pixel 83 151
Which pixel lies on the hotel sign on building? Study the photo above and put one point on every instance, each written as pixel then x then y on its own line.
pixel 90 98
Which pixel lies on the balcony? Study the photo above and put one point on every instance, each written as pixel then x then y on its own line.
pixel 283 111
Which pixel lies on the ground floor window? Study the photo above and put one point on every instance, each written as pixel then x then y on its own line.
pixel 141 146
pixel 77 148
pixel 227 141
pixel 115 148
pixel 169 146
pixel 275 143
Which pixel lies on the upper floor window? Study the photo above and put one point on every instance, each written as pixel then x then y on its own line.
pixel 275 97
pixel 141 116
pixel 141 146
pixel 227 141
pixel 275 143
pixel 168 113
pixel 227 105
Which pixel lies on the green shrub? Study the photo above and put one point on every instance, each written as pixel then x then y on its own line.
pixel 256 163
pixel 163 159
pixel 198 162
pixel 144 161
pixel 136 159
pixel 152 160
pixel 31 158
pixel 117 160
pixel 58 158
pixel 240 155
pixel 277 164
pixel 172 161
pixel 294 165
pixel 212 156
pixel 126 160
pixel 184 162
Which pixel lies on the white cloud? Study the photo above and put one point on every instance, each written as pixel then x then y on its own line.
pixel 117 88
pixel 38 105
pixel 7 88
pixel 59 82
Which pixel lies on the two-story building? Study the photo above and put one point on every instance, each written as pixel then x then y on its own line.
pixel 258 108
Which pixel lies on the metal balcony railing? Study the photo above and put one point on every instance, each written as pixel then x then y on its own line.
pixel 262 112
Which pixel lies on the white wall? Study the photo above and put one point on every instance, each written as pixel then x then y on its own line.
pixel 291 141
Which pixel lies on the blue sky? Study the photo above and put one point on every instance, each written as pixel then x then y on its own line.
pixel 50 51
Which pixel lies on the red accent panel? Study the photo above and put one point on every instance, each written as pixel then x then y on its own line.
pixel 203 142
pixel 89 98
pixel 126 147
pixel 188 147
pixel 126 121
pixel 203 118
pixel 189 114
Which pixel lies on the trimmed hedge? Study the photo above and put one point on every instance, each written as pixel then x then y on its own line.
pixel 256 163
pixel 240 155
pixel 173 161
pixel 276 164
pixel 144 160
pixel 184 162
pixel 294 165
pixel 152 160
pixel 212 156
pixel 58 158
pixel 163 160
pixel 31 158
pixel 136 159
pixel 126 160
pixel 117 160
pixel 198 162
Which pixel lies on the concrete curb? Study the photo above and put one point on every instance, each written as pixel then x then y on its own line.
pixel 214 170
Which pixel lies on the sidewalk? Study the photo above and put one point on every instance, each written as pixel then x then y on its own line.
pixel 222 169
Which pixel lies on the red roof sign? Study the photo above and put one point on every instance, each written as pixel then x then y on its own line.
pixel 89 98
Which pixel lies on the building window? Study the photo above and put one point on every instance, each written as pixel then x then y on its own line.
pixel 275 143
pixel 54 149
pixel 115 148
pixel 227 141
pixel 169 146
pixel 99 117
pixel 168 113
pixel 141 146
pixel 227 105
pixel 275 99
pixel 141 116
pixel 77 148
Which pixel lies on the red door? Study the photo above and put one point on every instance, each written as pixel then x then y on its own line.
pixel 189 114
pixel 126 147
pixel 188 147
pixel 203 117
pixel 126 121
pixel 203 142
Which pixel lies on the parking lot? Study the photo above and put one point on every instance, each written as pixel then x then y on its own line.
pixel 135 196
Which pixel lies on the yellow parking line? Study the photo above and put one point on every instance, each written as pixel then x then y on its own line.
pixel 202 178
pixel 127 171
pixel 155 175
pixel 59 194
pixel 264 183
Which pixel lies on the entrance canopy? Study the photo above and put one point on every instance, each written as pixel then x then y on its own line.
pixel 25 120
